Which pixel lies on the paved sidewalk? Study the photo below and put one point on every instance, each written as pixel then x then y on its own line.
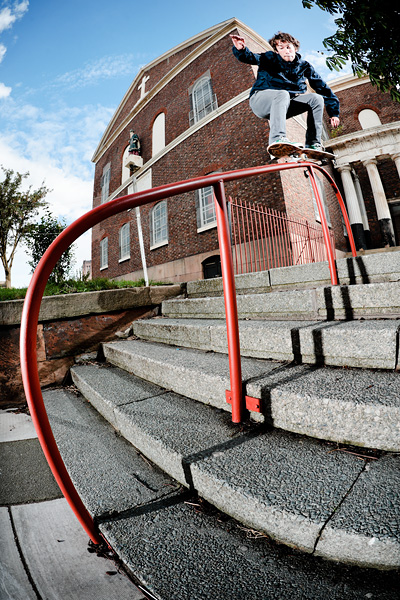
pixel 43 549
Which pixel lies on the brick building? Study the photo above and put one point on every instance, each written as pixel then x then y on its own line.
pixel 189 109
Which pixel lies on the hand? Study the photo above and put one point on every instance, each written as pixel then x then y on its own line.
pixel 335 121
pixel 238 42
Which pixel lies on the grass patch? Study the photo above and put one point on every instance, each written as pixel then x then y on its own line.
pixel 74 286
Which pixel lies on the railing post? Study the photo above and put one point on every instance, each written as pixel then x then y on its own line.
pixel 232 324
pixel 325 229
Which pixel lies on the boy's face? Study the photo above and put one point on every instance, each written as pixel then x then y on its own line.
pixel 286 50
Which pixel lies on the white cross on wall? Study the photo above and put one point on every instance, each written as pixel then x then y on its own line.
pixel 141 87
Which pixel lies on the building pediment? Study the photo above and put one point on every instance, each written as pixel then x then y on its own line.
pixel 359 146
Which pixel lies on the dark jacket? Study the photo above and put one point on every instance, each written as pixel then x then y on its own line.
pixel 274 73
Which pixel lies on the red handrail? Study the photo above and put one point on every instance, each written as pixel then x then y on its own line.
pixel 30 313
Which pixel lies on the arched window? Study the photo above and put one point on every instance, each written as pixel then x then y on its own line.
pixel 159 225
pixel 202 99
pixel 105 183
pixel 124 242
pixel 126 172
pixel 158 134
pixel 369 118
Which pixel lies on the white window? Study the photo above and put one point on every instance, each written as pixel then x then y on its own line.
pixel 105 183
pixel 126 172
pixel 104 253
pixel 202 99
pixel 205 208
pixel 369 118
pixel 158 225
pixel 124 242
pixel 158 134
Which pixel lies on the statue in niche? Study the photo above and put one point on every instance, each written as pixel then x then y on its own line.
pixel 134 143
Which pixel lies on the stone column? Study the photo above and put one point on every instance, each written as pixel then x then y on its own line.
pixel 363 211
pixel 381 204
pixel 353 207
pixel 396 158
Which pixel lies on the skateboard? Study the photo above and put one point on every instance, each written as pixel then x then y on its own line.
pixel 294 152
pixel 282 149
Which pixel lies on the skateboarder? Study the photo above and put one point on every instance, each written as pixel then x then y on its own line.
pixel 280 90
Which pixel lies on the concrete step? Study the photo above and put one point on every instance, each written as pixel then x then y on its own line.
pixel 364 269
pixel 302 492
pixel 369 344
pixel 376 300
pixel 352 406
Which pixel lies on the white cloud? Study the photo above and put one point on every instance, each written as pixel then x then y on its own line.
pixel 5 91
pixel 3 51
pixel 8 15
pixel 106 67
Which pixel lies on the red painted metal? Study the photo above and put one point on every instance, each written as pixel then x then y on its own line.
pixel 300 242
pixel 231 313
pixel 325 229
pixel 30 314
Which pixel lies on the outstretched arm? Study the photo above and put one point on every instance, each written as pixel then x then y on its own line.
pixel 242 53
pixel 238 42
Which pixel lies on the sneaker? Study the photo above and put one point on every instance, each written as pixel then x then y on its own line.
pixel 284 140
pixel 316 146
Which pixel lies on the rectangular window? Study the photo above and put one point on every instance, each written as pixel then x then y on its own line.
pixel 124 242
pixel 104 253
pixel 205 208
pixel 159 225
pixel 105 183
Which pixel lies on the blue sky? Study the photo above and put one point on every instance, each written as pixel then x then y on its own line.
pixel 65 66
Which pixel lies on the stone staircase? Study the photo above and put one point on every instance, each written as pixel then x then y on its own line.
pixel 317 471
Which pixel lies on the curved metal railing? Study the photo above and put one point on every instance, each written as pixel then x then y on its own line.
pixel 30 314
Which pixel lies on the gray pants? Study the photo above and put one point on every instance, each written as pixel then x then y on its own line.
pixel 277 106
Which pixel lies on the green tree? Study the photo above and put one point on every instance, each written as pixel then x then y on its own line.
pixel 367 34
pixel 40 237
pixel 18 208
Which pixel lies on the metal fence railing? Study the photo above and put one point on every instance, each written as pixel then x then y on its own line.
pixel 264 238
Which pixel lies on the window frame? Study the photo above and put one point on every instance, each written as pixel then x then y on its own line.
pixel 202 223
pixel 105 183
pixel 159 240
pixel 104 253
pixel 200 109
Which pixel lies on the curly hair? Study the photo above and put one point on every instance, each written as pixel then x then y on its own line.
pixel 284 37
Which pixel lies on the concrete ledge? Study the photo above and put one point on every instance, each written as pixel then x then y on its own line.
pixel 366 268
pixel 368 344
pixel 350 406
pixel 323 303
pixel 73 305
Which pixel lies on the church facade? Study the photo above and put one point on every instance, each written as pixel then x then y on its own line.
pixel 185 115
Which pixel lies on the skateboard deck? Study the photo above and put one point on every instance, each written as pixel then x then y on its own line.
pixel 281 149
pixel 317 154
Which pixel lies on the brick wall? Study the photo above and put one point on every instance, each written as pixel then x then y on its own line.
pixel 355 99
